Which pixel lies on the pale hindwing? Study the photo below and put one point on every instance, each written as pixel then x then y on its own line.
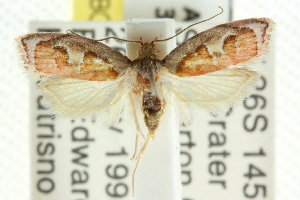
pixel 80 98
pixel 215 91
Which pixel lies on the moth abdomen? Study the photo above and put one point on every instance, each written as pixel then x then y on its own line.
pixel 153 108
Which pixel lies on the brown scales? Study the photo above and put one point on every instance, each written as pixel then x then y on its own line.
pixel 206 52
pixel 237 49
pixel 147 65
pixel 51 59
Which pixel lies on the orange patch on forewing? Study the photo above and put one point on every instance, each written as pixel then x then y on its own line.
pixel 61 57
pixel 96 69
pixel 238 48
pixel 229 46
pixel 247 45
pixel 51 60
pixel 89 58
pixel 43 53
pixel 197 63
pixel 99 75
pixel 202 51
pixel 55 61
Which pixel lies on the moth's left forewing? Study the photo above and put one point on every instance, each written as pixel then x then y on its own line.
pixel 220 47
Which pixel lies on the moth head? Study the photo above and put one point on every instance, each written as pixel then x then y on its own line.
pixel 148 49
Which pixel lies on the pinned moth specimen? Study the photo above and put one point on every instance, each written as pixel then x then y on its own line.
pixel 82 77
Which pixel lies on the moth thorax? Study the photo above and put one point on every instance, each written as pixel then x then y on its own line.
pixel 149 50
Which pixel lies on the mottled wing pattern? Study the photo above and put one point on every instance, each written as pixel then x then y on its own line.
pixel 70 55
pixel 78 76
pixel 198 70
pixel 219 47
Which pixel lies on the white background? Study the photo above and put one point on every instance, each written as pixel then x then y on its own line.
pixel 14 90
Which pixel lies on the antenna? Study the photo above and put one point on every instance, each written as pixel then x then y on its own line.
pixel 222 10
pixel 156 40
pixel 123 40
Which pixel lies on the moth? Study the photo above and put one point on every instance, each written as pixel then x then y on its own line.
pixel 80 76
